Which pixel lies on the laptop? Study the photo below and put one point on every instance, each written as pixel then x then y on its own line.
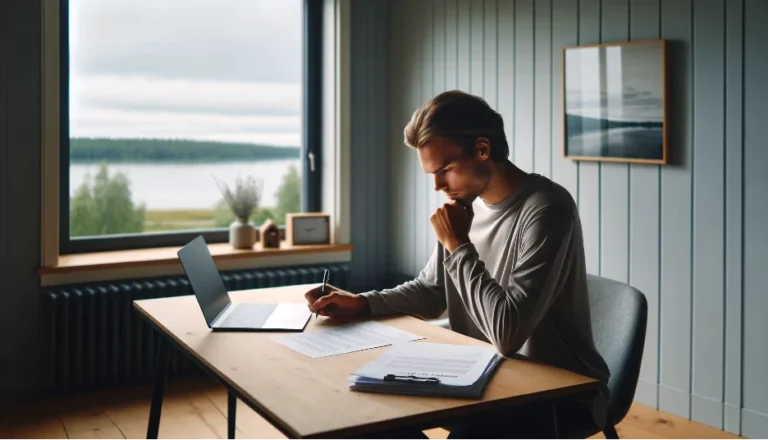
pixel 220 312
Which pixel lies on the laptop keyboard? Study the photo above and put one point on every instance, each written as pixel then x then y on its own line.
pixel 248 315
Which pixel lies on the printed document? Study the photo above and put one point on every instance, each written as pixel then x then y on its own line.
pixel 453 365
pixel 345 339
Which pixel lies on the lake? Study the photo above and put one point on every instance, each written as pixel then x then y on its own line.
pixel 188 185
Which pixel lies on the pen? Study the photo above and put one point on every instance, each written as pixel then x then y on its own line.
pixel 326 274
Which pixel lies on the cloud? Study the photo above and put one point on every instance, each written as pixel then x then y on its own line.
pixel 240 40
pixel 131 106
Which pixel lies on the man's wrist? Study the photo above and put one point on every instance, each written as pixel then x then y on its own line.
pixel 365 306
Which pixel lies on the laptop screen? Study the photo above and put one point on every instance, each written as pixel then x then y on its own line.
pixel 204 277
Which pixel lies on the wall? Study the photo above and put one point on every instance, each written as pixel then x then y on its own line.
pixel 369 148
pixel 690 235
pixel 19 191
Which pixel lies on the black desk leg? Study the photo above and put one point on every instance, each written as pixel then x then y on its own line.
pixel 161 371
pixel 231 407
pixel 555 433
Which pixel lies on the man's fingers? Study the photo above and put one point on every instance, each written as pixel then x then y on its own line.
pixel 312 294
pixel 324 301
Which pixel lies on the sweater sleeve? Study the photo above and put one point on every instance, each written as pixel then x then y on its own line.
pixel 508 314
pixel 423 297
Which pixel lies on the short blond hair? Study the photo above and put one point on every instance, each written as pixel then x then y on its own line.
pixel 461 118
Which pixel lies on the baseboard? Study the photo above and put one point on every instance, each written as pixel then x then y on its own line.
pixel 733 419
pixel 754 424
pixel 647 393
pixel 707 411
pixel 674 401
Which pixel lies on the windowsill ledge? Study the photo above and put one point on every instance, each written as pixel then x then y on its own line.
pixel 106 265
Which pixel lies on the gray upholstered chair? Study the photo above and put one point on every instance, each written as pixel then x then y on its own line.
pixel 619 315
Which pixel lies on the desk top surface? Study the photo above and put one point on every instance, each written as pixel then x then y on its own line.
pixel 310 397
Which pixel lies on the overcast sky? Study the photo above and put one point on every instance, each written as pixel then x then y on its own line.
pixel 204 69
pixel 632 90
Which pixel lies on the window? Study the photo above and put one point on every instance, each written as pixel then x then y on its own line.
pixel 164 100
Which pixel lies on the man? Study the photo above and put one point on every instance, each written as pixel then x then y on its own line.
pixel 509 267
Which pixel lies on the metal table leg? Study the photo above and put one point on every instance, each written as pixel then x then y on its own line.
pixel 231 407
pixel 161 371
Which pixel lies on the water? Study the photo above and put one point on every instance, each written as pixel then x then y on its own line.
pixel 626 142
pixel 188 186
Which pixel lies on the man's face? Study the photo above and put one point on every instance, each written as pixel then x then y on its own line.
pixel 459 176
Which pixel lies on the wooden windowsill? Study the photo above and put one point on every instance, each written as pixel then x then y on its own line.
pixel 167 256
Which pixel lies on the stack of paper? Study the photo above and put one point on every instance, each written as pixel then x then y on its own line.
pixel 345 339
pixel 429 369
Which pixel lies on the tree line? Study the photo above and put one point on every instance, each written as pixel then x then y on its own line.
pixel 172 150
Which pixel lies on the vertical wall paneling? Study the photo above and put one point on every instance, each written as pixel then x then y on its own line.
pixel 755 362
pixel 22 154
pixel 358 73
pixel 439 48
pixel 708 212
pixel 589 172
pixel 5 16
pixel 398 115
pixel 490 53
pixel 542 48
pixel 524 84
pixel 425 192
pixel 675 294
pixel 476 47
pixel 644 232
pixel 370 143
pixel 414 66
pixel 614 183
pixel 565 26
pixel 464 49
pixel 505 28
pixel 734 238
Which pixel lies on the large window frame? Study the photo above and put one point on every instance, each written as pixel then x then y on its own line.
pixel 311 146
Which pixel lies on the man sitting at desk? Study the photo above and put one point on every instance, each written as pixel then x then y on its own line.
pixel 510 266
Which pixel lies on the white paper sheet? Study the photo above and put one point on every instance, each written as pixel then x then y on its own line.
pixel 453 364
pixel 345 339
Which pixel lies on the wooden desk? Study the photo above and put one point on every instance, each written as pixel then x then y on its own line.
pixel 305 397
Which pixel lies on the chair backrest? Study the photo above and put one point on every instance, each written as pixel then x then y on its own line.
pixel 619 314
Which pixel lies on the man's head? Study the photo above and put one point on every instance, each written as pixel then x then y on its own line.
pixel 460 140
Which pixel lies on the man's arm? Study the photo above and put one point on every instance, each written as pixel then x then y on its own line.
pixel 423 296
pixel 507 315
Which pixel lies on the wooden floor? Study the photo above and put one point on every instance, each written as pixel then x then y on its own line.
pixel 196 408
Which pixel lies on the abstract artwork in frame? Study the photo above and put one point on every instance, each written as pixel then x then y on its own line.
pixel 614 101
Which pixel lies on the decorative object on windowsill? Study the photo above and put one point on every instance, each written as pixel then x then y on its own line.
pixel 307 228
pixel 615 102
pixel 270 235
pixel 243 199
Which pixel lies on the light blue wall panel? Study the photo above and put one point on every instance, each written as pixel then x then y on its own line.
pixel 755 366
pixel 676 231
pixel 708 211
pixel 734 208
pixel 644 222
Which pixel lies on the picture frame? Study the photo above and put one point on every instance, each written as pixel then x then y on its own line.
pixel 614 102
pixel 308 228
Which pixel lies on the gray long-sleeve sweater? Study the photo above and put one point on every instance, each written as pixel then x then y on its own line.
pixel 520 284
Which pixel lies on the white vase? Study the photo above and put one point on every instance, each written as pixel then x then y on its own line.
pixel 242 235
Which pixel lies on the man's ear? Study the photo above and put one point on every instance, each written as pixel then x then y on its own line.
pixel 483 147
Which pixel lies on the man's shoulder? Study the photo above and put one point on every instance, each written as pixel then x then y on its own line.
pixel 546 194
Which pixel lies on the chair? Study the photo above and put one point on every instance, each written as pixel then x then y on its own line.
pixel 619 315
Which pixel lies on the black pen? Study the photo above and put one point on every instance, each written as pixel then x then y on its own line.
pixel 326 274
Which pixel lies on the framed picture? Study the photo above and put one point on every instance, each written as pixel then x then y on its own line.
pixel 615 101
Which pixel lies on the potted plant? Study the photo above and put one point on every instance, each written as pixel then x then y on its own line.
pixel 242 200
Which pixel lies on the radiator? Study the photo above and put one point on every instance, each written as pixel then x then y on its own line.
pixel 94 338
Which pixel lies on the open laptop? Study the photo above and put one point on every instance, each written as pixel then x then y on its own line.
pixel 220 312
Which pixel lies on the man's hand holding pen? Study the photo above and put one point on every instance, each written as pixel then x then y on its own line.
pixel 335 303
